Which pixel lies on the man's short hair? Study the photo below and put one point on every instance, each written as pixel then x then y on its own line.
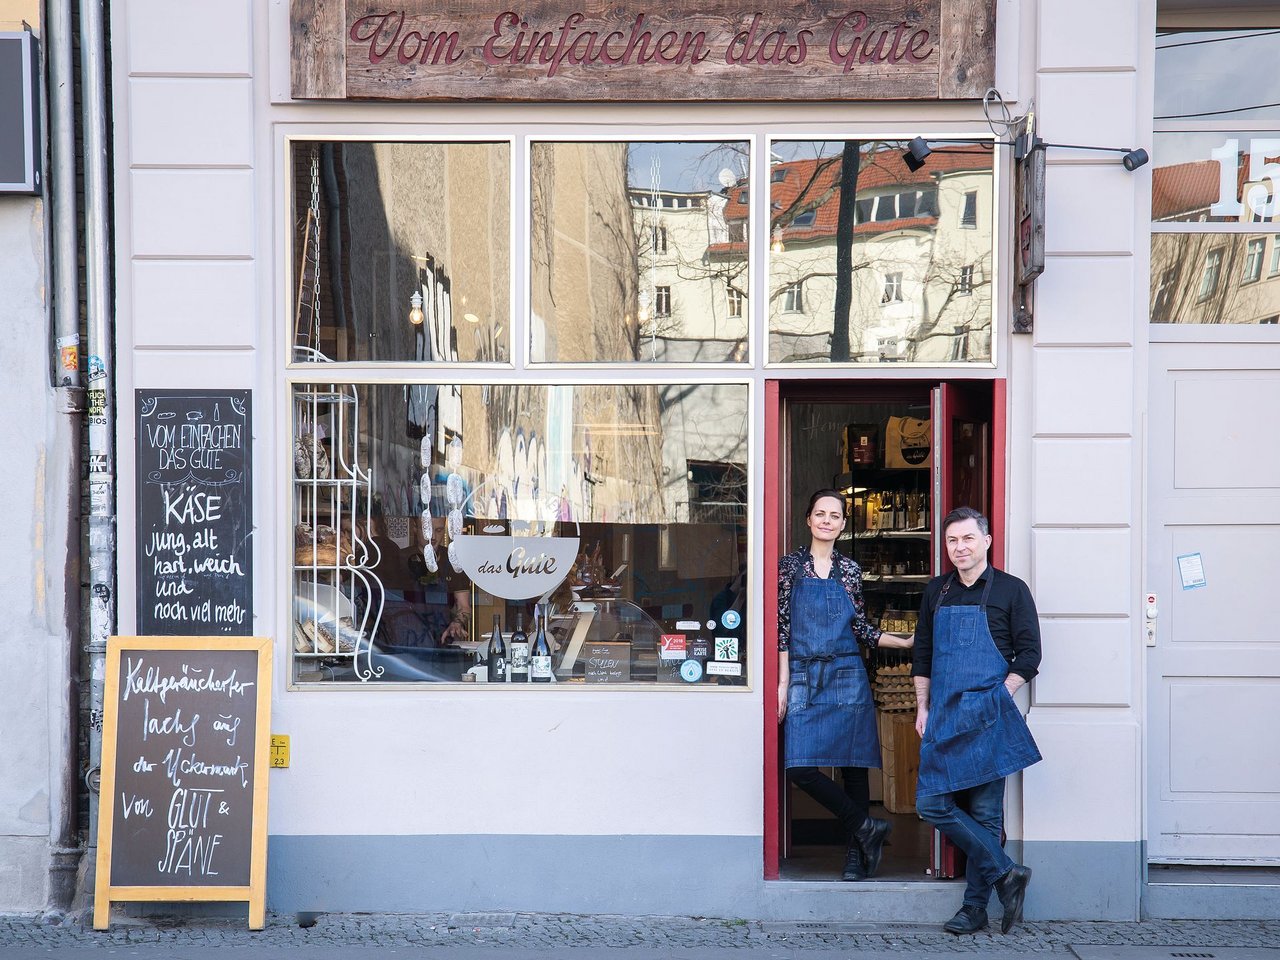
pixel 961 514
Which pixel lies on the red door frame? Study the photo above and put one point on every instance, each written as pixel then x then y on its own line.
pixel 773 519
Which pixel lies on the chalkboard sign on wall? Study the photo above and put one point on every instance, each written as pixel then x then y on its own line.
pixel 195 512
pixel 185 756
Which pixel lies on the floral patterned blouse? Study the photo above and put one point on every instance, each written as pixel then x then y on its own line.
pixel 799 564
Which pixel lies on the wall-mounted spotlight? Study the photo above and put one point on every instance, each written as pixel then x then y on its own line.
pixel 917 153
pixel 919 150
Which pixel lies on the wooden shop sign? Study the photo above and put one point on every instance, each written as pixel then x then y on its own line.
pixel 581 50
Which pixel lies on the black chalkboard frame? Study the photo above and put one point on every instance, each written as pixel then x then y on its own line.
pixel 254 893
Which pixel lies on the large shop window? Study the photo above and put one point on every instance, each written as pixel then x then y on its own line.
pixel 401 252
pixel 614 514
pixel 631 246
pixel 1214 185
pixel 907 264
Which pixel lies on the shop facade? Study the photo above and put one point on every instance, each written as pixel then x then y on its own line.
pixel 549 349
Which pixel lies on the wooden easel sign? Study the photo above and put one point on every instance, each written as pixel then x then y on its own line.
pixel 185 750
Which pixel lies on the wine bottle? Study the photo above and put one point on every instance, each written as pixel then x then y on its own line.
pixel 519 651
pixel 540 658
pixel 497 653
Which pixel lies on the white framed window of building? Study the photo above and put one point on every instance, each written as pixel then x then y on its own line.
pixel 960 342
pixel 737 301
pixel 893 231
pixel 662 301
pixel 1209 275
pixel 793 297
pixel 1214 204
pixel 1255 248
pixel 964 285
pixel 603 265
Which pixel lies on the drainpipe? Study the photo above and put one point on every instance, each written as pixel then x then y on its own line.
pixel 64 845
pixel 101 385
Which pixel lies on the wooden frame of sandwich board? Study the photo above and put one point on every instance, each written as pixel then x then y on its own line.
pixel 254 892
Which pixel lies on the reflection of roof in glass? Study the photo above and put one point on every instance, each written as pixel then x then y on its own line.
pixel 1184 188
pixel 810 181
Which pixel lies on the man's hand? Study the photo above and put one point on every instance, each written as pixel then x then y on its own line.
pixel 1012 682
pixel 922 718
pixel 457 630
pixel 782 703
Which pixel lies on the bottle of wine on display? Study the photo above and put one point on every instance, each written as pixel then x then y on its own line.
pixel 497 653
pixel 519 651
pixel 540 657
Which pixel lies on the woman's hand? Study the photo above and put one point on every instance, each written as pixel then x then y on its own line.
pixel 782 702
pixel 902 641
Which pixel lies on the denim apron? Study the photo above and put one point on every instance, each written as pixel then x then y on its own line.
pixel 975 733
pixel 831 719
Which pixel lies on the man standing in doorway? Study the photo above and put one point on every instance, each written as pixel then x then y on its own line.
pixel 977 642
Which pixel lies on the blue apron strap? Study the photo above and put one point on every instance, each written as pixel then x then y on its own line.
pixel 986 591
pixel 943 593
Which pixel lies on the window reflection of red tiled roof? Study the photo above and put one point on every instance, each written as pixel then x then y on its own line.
pixel 883 169
pixel 1183 188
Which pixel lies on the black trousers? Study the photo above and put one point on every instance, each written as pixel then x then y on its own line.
pixel 849 803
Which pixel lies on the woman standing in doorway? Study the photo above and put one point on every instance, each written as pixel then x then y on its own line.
pixel 824 698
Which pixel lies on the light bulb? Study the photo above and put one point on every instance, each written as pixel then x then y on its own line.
pixel 415 309
pixel 777 246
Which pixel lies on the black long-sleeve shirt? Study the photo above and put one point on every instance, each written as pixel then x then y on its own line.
pixel 1011 616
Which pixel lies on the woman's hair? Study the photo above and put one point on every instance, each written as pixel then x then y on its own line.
pixel 819 494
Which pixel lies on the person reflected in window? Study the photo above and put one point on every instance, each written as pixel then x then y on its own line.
pixel 824 697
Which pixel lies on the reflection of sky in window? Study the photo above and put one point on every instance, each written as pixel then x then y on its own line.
pixel 1174 148
pixel 685 166
pixel 1213 74
pixel 782 151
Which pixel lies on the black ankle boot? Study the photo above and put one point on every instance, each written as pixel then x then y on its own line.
pixel 871 836
pixel 855 866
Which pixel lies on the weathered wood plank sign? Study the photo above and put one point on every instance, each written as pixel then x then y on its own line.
pixel 608 50
pixel 185 750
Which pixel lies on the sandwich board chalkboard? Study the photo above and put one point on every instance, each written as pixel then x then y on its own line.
pixel 195 512
pixel 185 752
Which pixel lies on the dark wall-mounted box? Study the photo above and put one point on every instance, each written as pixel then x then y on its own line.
pixel 20 144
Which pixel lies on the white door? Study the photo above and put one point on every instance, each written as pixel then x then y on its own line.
pixel 1213 482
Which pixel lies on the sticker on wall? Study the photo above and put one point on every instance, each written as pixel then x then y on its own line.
pixel 691 671
pixel 726 648
pixel 688 625
pixel 730 619
pixel 1191 570
pixel 672 646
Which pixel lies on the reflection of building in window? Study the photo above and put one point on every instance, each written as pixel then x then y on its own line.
pixel 662 301
pixel 717 491
pixel 960 343
pixel 693 254
pixel 892 288
pixel 1209 277
pixel 1273 320
pixel 908 254
pixel 1253 260
pixel 778 174
pixel 1188 262
pixel 889 348
pixel 793 297
pixel 964 288
pixel 969 218
pixel 737 299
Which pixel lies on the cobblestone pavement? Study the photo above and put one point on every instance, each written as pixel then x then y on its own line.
pixel 539 934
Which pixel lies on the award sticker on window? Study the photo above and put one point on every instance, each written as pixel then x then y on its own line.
pixel 726 648
pixel 673 646
pixel 730 619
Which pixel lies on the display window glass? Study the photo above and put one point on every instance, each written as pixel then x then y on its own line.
pixel 902 274
pixel 612 515
pixel 401 252
pixel 632 247
pixel 1214 180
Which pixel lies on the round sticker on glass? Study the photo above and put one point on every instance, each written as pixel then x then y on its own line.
pixel 691 671
pixel 730 619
